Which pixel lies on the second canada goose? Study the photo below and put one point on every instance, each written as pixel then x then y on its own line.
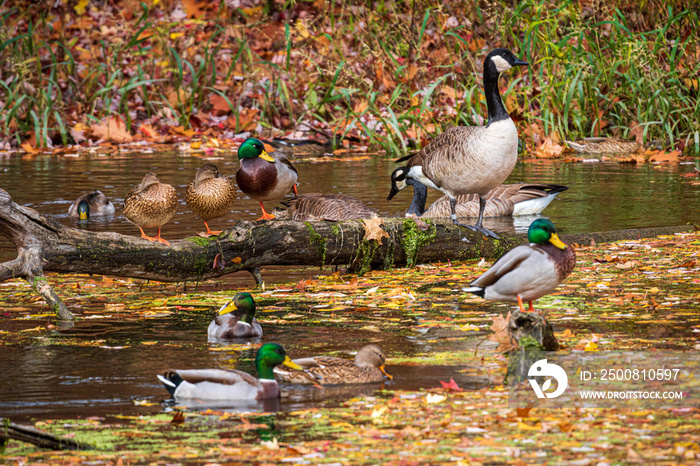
pixel 262 176
pixel 332 207
pixel 210 195
pixel 506 199
pixel 150 204
pixel 472 159
pixel 95 204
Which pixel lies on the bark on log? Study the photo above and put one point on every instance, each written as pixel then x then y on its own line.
pixel 44 245
pixel 11 431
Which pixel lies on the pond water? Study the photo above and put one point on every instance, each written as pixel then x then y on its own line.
pixel 54 378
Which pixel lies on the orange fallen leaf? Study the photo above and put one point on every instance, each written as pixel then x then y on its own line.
pixel 374 230
pixel 112 129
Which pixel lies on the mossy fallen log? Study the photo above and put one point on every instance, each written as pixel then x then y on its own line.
pixel 44 245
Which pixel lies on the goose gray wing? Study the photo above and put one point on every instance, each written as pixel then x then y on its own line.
pixel 442 152
pixel 506 264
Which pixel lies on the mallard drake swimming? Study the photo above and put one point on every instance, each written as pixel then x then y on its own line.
pixel 88 204
pixel 225 384
pixel 210 195
pixel 506 199
pixel 264 177
pixel 472 159
pixel 325 370
pixel 604 146
pixel 332 207
pixel 236 319
pixel 526 273
pixel 150 204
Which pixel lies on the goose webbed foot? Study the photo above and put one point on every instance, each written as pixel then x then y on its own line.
pixel 484 231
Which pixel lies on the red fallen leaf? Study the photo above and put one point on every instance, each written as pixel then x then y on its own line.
pixel 218 262
pixel 451 385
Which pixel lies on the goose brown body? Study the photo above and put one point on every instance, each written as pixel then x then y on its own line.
pixel 150 204
pixel 368 367
pixel 332 207
pixel 604 146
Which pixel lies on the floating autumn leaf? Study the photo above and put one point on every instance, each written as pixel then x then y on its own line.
pixel 432 398
pixel 374 230
pixel 663 156
pixel 178 418
pixel 451 385
pixel 549 150
pixel 112 129
pixel 271 444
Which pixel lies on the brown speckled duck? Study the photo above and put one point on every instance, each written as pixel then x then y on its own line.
pixel 210 195
pixel 95 204
pixel 264 177
pixel 368 367
pixel 332 207
pixel 236 319
pixel 526 273
pixel 150 204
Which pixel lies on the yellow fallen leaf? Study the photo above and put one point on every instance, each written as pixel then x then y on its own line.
pixel 378 412
pixel 431 398
pixel 591 346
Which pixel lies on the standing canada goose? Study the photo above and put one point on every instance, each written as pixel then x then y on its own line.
pixel 472 159
pixel 150 204
pixel 526 273
pixel 332 207
pixel 88 204
pixel 264 177
pixel 236 319
pixel 326 370
pixel 506 199
pixel 224 384
pixel 210 195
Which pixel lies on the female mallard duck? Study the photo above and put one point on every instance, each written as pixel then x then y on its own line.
pixel 236 319
pixel 506 199
pixel 225 384
pixel 264 177
pixel 472 159
pixel 332 207
pixel 604 146
pixel 88 204
pixel 526 273
pixel 325 370
pixel 150 204
pixel 210 195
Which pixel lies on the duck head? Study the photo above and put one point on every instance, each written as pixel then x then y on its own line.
pixel 242 302
pixel 270 355
pixel 372 356
pixel 542 231
pixel 502 60
pixel 206 172
pixel 252 148
pixel 83 210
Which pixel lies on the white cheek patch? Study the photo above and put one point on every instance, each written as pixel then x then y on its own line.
pixel 501 64
pixel 401 184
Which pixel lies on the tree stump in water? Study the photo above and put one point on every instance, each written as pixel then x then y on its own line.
pixel 532 332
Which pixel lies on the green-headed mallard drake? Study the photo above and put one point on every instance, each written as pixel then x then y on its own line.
pixel 94 204
pixel 236 319
pixel 210 195
pixel 368 367
pixel 150 204
pixel 226 384
pixel 472 159
pixel 506 199
pixel 264 177
pixel 526 273
pixel 332 207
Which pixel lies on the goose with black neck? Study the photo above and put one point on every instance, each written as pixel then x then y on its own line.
pixel 472 159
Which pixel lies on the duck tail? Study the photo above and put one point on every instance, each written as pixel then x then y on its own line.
pixel 477 290
pixel 171 380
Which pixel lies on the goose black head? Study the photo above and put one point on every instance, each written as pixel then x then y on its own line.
pixel 503 60
pixel 398 182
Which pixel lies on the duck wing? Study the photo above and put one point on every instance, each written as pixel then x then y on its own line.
pixel 506 264
pixel 217 376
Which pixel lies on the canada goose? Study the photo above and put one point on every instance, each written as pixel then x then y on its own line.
pixel 210 195
pixel 472 159
pixel 332 207
pixel 223 384
pixel 264 177
pixel 526 273
pixel 506 199
pixel 236 319
pixel 150 204
pixel 88 204
pixel 325 370
pixel 604 146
